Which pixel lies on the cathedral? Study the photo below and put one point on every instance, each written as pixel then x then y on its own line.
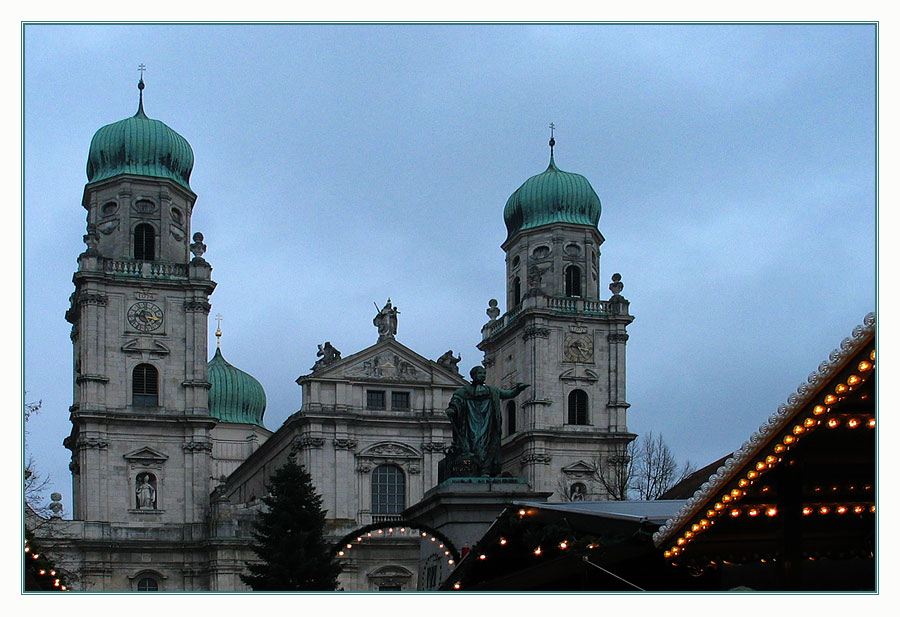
pixel 169 452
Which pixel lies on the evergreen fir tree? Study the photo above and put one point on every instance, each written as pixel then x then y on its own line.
pixel 289 537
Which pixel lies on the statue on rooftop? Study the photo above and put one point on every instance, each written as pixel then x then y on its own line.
pixel 386 321
pixel 475 414
pixel 327 354
pixel 448 361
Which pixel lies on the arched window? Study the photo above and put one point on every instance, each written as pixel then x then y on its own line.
pixel 578 407
pixel 517 290
pixel 573 281
pixel 145 386
pixel 510 418
pixel 147 584
pixel 144 242
pixel 388 490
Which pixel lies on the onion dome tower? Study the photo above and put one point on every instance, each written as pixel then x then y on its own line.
pixel 554 196
pixel 140 146
pixel 559 336
pixel 234 396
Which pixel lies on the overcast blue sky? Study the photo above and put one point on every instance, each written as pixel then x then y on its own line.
pixel 339 165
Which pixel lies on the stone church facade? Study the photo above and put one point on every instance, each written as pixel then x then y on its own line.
pixel 170 455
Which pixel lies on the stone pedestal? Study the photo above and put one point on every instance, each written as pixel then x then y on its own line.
pixel 463 508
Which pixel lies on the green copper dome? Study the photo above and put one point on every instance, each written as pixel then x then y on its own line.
pixel 140 146
pixel 234 396
pixel 554 196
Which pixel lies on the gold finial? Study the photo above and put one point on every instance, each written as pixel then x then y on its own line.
pixel 218 330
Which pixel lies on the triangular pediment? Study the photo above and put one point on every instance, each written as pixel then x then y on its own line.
pixel 146 455
pixel 387 361
pixel 579 375
pixel 144 345
pixel 578 469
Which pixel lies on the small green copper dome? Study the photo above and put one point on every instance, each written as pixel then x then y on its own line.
pixel 554 196
pixel 140 146
pixel 234 396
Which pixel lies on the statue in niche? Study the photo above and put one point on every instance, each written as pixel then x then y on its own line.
pixel 449 362
pixel 146 492
pixel 475 415
pixel 327 354
pixel 386 321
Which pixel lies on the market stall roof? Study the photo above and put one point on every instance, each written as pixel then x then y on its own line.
pixel 657 512
pixel 803 486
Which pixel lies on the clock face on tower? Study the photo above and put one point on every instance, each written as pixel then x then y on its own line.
pixel 578 348
pixel 145 316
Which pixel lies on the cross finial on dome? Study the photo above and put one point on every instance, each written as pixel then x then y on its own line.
pixel 140 111
pixel 552 141
pixel 219 330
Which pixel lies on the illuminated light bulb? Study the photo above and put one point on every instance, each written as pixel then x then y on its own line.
pixel 340 553
pixel 52 572
pixel 718 506
pixel 779 448
pixel 833 422
pixel 872 509
pixel 852 423
pixel 667 554
pixel 798 429
pixel 771 459
pixel 433 539
pixel 424 534
pixel 788 439
pixel 766 489
pixel 680 541
pixel 752 474
pixel 695 527
pixel 359 539
pixel 369 534
pixel 456 585
pixel 450 562
pixel 840 388
pixel 402 529
pixel 818 410
pixel 736 492
pixel 864 366
pixel 808 422
pixel 841 509
pixel 735 513
pixel 482 557
pixel 771 512
pixel 752 512
pixel 858 509
pixel 830 399
pixel 382 531
pixel 447 553
pixel 807 511
pixel 853 380
pixel 563 545
pixel 726 498
pixel 521 512
pixel 711 513
pixel 35 555
pixel 760 466
pixel 872 356
pixel 538 551
pixel 349 546
pixel 42 572
pixel 688 535
pixel 871 423
pixel 440 546
pixel 743 482
pixel 503 541
pixel 704 523
pixel 824 510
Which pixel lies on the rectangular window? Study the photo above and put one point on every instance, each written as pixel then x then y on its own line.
pixel 375 399
pixel 400 400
